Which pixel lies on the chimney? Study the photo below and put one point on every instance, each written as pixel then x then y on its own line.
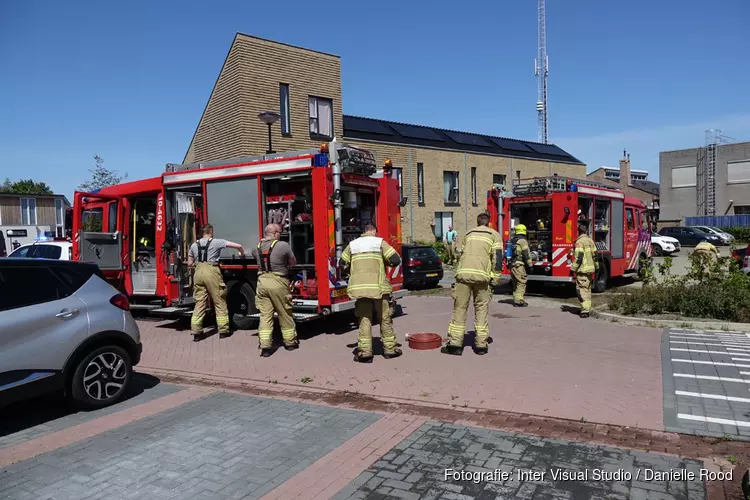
pixel 625 170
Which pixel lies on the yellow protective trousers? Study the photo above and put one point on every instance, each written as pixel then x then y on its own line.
pixel 462 294
pixel 274 296
pixel 208 282
pixel 583 288
pixel 518 274
pixel 364 309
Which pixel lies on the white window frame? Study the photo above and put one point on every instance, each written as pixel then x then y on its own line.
pixel 454 195
pixel 420 183
pixel 504 177
pixel 440 226
pixel 27 211
pixel 285 109
pixel 314 113
pixel 745 180
pixel 671 176
pixel 474 186
pixel 59 222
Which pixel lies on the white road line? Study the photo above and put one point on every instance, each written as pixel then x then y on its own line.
pixel 712 420
pixel 692 335
pixel 712 396
pixel 710 352
pixel 675 360
pixel 737 349
pixel 711 345
pixel 713 377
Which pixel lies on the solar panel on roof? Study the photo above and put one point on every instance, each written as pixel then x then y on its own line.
pixel 547 149
pixel 511 145
pixel 367 126
pixel 417 132
pixel 468 139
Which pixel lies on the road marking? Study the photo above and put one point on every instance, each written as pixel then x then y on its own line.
pixel 676 360
pixel 692 335
pixel 737 349
pixel 712 420
pixel 712 345
pixel 712 377
pixel 711 352
pixel 712 396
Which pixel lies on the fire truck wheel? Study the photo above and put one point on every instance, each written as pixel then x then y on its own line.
pixel 600 281
pixel 241 304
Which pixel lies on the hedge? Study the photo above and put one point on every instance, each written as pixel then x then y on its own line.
pixel 741 234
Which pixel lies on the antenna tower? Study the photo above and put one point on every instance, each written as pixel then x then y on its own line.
pixel 541 69
pixel 706 172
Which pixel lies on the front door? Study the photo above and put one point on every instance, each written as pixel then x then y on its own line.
pixel 631 238
pixel 142 246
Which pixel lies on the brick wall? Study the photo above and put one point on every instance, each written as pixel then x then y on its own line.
pixel 249 84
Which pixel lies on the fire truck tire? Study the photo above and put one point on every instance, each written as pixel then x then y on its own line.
pixel 601 279
pixel 241 304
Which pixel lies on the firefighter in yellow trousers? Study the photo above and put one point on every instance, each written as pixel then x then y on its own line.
pixel 584 268
pixel 367 257
pixel 273 294
pixel 478 267
pixel 208 282
pixel 707 249
pixel 520 263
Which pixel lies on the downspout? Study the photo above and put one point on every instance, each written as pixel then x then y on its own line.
pixel 466 197
pixel 337 203
pixel 411 202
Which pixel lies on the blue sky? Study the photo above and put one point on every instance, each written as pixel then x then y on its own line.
pixel 129 80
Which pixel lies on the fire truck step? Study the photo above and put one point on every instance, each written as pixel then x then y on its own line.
pixel 171 310
pixel 144 307
pixel 300 317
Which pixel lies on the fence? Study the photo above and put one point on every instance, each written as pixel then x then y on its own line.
pixel 719 221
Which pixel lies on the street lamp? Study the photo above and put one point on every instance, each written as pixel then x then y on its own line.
pixel 269 118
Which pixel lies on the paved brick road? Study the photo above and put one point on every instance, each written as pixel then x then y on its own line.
pixel 543 361
pixel 707 382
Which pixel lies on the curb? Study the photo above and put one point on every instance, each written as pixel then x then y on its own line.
pixel 649 322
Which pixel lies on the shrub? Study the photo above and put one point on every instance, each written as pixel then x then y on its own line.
pixel 741 234
pixel 439 247
pixel 715 289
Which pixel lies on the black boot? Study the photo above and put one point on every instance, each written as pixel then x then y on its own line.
pixel 585 315
pixel 223 335
pixel 292 347
pixel 455 351
pixel 359 358
pixel 390 355
pixel 266 353
pixel 480 350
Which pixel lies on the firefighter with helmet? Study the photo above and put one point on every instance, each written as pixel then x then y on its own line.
pixel 584 268
pixel 208 282
pixel 478 268
pixel 367 257
pixel 274 294
pixel 520 264
pixel 707 249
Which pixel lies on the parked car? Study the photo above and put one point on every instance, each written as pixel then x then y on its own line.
pixel 46 249
pixel 689 236
pixel 3 248
pixel 742 256
pixel 664 245
pixel 64 328
pixel 422 266
pixel 726 238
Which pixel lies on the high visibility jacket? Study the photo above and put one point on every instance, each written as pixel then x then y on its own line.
pixel 521 254
pixel 584 257
pixel 482 256
pixel 707 247
pixel 367 256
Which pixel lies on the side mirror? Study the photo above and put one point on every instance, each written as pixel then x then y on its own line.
pixel 403 201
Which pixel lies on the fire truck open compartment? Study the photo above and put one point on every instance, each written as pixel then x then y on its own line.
pixel 537 217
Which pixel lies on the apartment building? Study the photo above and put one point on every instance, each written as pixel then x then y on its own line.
pixel 24 218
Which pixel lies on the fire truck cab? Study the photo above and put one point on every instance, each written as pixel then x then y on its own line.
pixel 139 233
pixel 551 208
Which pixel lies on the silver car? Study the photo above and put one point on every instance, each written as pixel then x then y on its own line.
pixel 64 328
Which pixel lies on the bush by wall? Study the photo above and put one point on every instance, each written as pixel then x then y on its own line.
pixel 741 234
pixel 439 247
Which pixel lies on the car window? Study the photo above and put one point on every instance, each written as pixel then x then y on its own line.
pixel 20 252
pixel 423 253
pixel 630 218
pixel 25 286
pixel 74 277
pixel 45 252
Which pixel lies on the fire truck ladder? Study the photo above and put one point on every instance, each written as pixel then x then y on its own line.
pixel 552 184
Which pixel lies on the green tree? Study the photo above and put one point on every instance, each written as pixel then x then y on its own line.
pixel 25 186
pixel 101 176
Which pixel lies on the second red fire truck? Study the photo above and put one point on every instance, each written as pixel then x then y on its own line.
pixel 139 233
pixel 551 208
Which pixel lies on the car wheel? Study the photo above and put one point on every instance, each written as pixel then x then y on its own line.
pixel 658 251
pixel 241 304
pixel 101 377
pixel 600 281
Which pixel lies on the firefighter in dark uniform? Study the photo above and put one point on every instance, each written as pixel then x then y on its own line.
pixel 208 282
pixel 274 294
pixel 520 264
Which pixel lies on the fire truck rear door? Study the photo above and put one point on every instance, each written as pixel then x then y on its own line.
pixel 100 242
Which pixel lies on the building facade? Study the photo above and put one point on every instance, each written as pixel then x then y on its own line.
pixel 679 176
pixel 24 218
pixel 445 175
pixel 634 183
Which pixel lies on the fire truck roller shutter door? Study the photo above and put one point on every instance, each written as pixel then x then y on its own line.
pixel 617 229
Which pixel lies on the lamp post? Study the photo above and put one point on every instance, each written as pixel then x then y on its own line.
pixel 269 118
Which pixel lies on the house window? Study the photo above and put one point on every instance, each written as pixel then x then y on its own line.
pixel 450 187
pixel 420 183
pixel 59 218
pixel 399 176
pixel 321 117
pixel 742 210
pixel 443 220
pixel 28 211
pixel 738 172
pixel 474 186
pixel 498 179
pixel 683 177
pixel 286 122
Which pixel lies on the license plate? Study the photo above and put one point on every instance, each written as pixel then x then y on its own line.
pixel 339 293
pixel 432 275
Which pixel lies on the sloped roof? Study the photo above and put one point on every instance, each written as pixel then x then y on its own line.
pixel 648 186
pixel 357 127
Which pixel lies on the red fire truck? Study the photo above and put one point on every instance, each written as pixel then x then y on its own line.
pixel 139 233
pixel 551 208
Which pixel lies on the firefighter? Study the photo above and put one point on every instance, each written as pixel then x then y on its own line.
pixel 367 257
pixel 274 294
pixel 478 268
pixel 450 244
pixel 707 252
pixel 208 281
pixel 584 267
pixel 520 264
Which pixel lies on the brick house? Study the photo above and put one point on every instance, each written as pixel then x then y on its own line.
pixel 633 183
pixel 31 216
pixel 445 174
